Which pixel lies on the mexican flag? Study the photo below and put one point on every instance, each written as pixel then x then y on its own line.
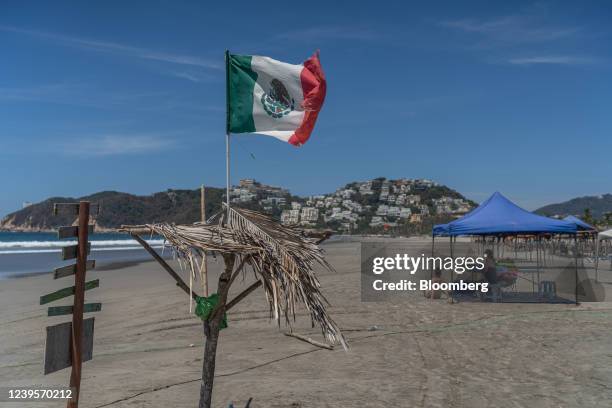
pixel 274 98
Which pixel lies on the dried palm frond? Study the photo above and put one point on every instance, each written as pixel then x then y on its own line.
pixel 202 237
pixel 281 257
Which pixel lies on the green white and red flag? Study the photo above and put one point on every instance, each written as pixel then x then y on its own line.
pixel 274 98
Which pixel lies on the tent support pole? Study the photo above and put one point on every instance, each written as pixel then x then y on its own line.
pixel 576 274
pixel 452 269
pixel 596 258
pixel 433 243
pixel 538 258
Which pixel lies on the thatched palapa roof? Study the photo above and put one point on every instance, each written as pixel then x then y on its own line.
pixel 282 258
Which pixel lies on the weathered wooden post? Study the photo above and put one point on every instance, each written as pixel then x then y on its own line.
pixel 212 327
pixel 71 343
pixel 79 300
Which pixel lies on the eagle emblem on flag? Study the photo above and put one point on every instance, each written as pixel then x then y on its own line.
pixel 277 102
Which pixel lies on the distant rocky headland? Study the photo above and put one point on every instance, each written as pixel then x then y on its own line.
pixel 596 207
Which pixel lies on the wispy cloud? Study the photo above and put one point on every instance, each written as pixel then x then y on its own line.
pixel 553 60
pixel 41 93
pixel 533 24
pixel 115 48
pixel 527 38
pixel 512 30
pixel 331 33
pixel 75 94
pixel 82 95
pixel 113 145
pixel 193 76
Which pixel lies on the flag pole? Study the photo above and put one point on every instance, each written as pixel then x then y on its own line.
pixel 227 171
pixel 227 133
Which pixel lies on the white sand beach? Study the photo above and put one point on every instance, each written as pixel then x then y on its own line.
pixel 409 353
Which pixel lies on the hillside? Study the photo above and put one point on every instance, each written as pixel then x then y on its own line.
pixel 404 206
pixel 178 206
pixel 597 205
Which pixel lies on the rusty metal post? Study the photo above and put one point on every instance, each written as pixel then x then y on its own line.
pixel 79 298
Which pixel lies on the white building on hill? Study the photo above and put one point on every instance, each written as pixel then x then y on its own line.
pixel 289 217
pixel 309 215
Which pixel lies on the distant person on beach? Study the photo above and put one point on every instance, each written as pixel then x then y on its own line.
pixel 490 270
pixel 491 273
pixel 437 278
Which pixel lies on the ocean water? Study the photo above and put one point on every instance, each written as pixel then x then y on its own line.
pixel 25 253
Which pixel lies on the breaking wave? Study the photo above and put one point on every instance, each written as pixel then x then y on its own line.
pixel 32 247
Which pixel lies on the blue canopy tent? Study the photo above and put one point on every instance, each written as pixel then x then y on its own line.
pixel 500 217
pixel 582 226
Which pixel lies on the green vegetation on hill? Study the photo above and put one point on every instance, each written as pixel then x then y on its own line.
pixel 597 207
pixel 177 206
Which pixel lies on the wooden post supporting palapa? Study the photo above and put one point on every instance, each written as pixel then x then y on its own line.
pixel 212 327
pixel 202 204
pixel 79 299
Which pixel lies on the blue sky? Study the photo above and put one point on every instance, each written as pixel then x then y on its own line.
pixel 481 96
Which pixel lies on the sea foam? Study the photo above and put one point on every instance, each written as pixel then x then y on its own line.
pixel 31 247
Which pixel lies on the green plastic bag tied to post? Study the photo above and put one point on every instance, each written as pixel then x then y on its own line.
pixel 205 306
